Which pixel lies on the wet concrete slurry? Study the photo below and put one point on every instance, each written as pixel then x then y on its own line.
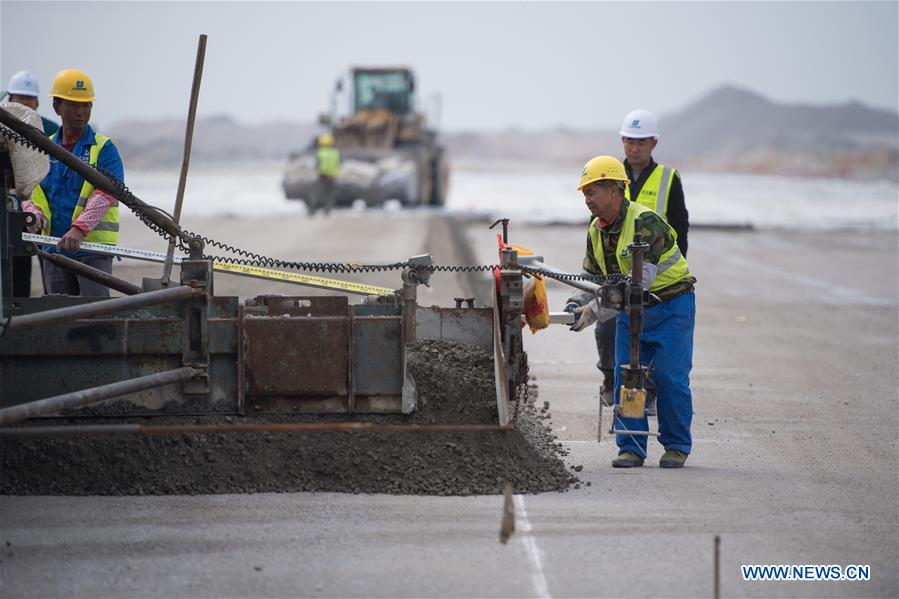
pixel 455 383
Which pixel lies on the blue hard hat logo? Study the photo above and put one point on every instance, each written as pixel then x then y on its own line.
pixel 79 84
pixel 635 123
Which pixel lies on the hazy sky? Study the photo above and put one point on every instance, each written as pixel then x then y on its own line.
pixel 496 65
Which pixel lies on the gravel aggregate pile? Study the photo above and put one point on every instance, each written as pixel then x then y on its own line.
pixel 455 384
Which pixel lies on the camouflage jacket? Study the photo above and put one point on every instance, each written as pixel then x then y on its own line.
pixel 654 230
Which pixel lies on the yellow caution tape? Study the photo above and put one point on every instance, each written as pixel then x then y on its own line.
pixel 307 280
pixel 234 269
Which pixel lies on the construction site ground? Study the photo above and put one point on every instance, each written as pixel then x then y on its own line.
pixel 794 458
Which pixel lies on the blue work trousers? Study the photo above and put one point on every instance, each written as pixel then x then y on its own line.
pixel 667 342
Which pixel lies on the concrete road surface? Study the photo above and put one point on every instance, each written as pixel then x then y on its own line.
pixel 794 462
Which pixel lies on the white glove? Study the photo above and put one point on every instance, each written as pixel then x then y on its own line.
pixel 586 315
pixel 579 297
pixel 590 313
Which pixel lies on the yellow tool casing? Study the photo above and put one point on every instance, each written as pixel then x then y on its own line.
pixel 632 403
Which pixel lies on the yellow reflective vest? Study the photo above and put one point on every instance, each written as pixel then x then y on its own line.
pixel 328 161
pixel 654 193
pixel 107 231
pixel 672 265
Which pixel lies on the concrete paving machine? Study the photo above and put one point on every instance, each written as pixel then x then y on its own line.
pixel 178 351
pixel 388 150
pixel 183 350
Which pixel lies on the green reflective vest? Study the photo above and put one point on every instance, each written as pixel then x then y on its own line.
pixel 654 193
pixel 672 265
pixel 107 231
pixel 328 161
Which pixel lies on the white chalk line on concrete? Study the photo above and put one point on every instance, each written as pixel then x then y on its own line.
pixel 530 543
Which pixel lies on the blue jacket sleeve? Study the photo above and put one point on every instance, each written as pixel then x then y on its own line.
pixel 111 162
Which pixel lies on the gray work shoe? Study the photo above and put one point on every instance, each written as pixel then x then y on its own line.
pixel 627 459
pixel 672 458
pixel 651 404
pixel 605 396
pixel 605 390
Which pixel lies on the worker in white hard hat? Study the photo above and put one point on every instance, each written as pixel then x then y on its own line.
pixel 23 89
pixel 666 338
pixel 22 100
pixel 327 163
pixel 66 205
pixel 658 187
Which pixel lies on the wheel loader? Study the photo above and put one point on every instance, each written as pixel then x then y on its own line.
pixel 388 150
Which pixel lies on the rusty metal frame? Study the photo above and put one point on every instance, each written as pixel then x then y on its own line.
pixel 188 333
pixel 241 351
pixel 351 362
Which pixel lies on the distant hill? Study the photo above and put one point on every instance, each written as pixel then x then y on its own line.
pixel 731 121
pixel 735 129
pixel 729 129
pixel 558 146
pixel 216 139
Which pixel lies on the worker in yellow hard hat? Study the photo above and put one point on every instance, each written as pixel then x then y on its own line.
pixel 65 204
pixel 659 188
pixel 327 159
pixel 666 341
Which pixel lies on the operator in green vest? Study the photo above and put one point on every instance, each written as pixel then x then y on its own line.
pixel 666 340
pixel 67 206
pixel 657 187
pixel 327 160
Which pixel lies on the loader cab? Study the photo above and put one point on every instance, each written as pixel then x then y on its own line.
pixel 384 89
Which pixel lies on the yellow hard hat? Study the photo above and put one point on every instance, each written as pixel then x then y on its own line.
pixel 326 139
pixel 603 168
pixel 74 85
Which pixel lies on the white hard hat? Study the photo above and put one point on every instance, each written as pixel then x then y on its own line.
pixel 23 83
pixel 639 124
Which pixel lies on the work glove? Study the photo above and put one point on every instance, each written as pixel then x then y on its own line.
pixel 589 314
pixel 570 307
pixel 585 317
pixel 578 297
